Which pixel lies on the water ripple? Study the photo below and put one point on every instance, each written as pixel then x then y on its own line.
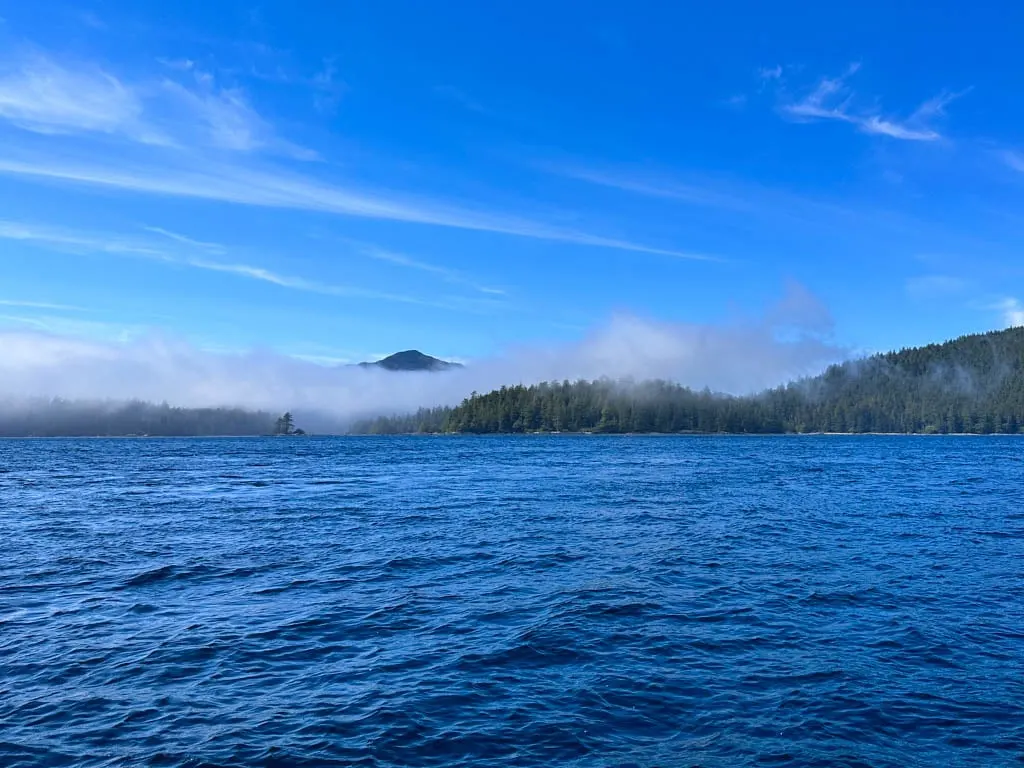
pixel 498 601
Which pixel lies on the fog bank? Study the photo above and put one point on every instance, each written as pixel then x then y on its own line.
pixel 737 358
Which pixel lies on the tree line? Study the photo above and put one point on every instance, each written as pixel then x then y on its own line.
pixel 974 384
pixel 68 418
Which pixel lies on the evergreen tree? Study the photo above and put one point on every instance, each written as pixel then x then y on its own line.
pixel 285 425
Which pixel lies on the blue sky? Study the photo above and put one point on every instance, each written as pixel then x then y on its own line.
pixel 342 180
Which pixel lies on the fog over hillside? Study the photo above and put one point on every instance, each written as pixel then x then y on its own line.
pixel 789 341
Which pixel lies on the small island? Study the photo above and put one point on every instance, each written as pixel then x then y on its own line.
pixel 285 427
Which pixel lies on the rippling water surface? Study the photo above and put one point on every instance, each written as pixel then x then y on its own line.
pixel 529 601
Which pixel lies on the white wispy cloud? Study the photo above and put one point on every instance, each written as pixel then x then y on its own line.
pixel 77 242
pixel 768 204
pixel 55 326
pixel 193 133
pixel 445 273
pixel 39 95
pixel 32 322
pixel 833 99
pixel 777 208
pixel 181 65
pixel 936 106
pixel 881 127
pixel 246 186
pixel 1012 311
pixel 262 274
pixel 820 103
pixel 185 256
pixel 40 305
pixel 652 185
pixel 312 286
pixel 185 240
pixel 226 120
pixel 1014 160
pixel 43 95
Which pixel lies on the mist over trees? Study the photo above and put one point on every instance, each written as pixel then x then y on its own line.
pixel 974 384
pixel 66 418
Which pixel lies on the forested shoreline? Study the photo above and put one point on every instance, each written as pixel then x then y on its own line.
pixel 973 385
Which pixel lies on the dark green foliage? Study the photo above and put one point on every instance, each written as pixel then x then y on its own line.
pixel 423 421
pixel 974 384
pixel 64 418
pixel 285 425
pixel 605 406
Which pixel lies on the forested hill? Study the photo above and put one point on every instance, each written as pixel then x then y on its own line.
pixel 65 418
pixel 973 384
pixel 411 360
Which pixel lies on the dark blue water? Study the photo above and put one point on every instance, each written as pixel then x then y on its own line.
pixel 529 601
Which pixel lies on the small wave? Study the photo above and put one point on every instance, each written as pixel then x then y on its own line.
pixel 647 602
pixel 168 573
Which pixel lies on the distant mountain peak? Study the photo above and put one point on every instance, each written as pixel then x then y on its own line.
pixel 411 360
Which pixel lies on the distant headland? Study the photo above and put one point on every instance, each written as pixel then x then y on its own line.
pixel 974 385
pixel 411 360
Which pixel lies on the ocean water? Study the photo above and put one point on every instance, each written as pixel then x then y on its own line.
pixel 527 601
